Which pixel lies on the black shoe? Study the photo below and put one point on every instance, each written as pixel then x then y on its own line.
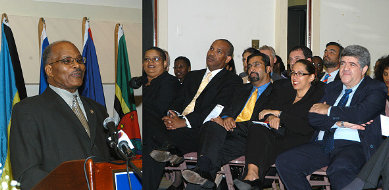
pixel 197 177
pixel 248 185
pixel 166 156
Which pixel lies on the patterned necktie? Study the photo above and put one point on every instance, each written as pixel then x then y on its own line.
pixel 189 109
pixel 248 109
pixel 77 110
pixel 325 80
pixel 328 138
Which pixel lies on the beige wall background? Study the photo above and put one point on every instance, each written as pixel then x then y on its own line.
pixel 64 22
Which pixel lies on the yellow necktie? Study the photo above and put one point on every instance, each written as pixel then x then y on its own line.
pixel 189 109
pixel 247 111
pixel 80 115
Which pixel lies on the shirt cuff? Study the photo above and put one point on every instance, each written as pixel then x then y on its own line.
pixel 187 122
pixel 329 111
pixel 224 116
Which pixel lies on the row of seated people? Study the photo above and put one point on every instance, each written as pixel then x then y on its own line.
pixel 310 124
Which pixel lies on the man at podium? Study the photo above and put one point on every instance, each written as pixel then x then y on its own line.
pixel 58 125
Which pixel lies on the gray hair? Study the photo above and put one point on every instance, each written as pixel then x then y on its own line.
pixel 359 52
pixel 265 47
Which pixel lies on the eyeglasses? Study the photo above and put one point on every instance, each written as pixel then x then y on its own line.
pixel 255 64
pixel 154 59
pixel 71 60
pixel 299 74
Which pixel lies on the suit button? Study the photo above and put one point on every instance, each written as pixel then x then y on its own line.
pixel 371 146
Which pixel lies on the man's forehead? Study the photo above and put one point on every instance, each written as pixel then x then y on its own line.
pixel 256 59
pixel 295 53
pixel 349 59
pixel 332 47
pixel 220 44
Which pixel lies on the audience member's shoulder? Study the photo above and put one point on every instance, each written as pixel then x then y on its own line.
pixel 282 83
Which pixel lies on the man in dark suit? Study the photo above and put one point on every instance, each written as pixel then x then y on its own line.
pixel 295 54
pixel 331 60
pixel 341 142
pixel 200 92
pixel 224 138
pixel 58 125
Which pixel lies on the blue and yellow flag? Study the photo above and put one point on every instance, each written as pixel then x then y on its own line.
pixel 9 96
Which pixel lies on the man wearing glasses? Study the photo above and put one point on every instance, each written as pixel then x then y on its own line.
pixel 58 125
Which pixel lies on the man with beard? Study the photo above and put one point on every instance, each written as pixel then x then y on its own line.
pixel 224 138
pixel 331 62
pixel 200 92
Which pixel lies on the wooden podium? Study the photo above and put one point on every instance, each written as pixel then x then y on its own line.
pixel 71 175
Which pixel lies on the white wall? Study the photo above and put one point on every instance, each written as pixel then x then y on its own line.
pixel 356 22
pixel 192 26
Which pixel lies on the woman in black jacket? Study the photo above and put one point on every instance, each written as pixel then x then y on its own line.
pixel 288 126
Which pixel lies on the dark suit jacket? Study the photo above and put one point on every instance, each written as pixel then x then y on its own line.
pixel 293 119
pixel 45 132
pixel 218 91
pixel 367 104
pixel 240 97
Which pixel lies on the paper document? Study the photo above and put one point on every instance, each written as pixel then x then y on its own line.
pixel 384 125
pixel 214 113
pixel 262 123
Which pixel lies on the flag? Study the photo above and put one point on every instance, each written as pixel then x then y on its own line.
pixel 44 44
pixel 92 86
pixel 9 95
pixel 124 105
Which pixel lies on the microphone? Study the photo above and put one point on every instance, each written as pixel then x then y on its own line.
pixel 137 82
pixel 110 124
pixel 243 74
pixel 124 144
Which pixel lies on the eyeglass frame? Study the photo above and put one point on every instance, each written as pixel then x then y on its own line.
pixel 73 60
pixel 298 74
pixel 154 59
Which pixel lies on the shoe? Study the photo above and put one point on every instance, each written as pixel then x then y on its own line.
pixel 200 178
pixel 181 187
pixel 166 156
pixel 248 185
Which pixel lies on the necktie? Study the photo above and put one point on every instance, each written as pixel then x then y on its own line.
pixel 189 109
pixel 325 80
pixel 328 138
pixel 248 109
pixel 77 110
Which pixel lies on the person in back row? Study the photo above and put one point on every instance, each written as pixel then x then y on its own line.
pixel 247 52
pixel 181 68
pixel 331 61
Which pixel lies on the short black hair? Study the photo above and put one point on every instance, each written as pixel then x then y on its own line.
pixel 384 63
pixel 230 50
pixel 250 50
pixel 336 44
pixel 308 65
pixel 184 59
pixel 306 51
pixel 160 51
pixel 265 58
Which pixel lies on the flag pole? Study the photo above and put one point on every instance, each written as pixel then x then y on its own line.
pixel 6 17
pixel 116 48
pixel 41 25
pixel 83 29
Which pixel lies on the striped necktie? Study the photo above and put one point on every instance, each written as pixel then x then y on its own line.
pixel 80 115
pixel 248 109
pixel 325 80
pixel 189 109
pixel 328 138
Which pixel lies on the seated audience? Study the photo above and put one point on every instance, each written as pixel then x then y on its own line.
pixel 247 52
pixel 58 125
pixel 339 142
pixel 201 91
pixel 158 94
pixel 181 67
pixel 224 138
pixel 286 114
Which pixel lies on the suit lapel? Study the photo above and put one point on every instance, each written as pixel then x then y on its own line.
pixel 359 91
pixel 214 80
